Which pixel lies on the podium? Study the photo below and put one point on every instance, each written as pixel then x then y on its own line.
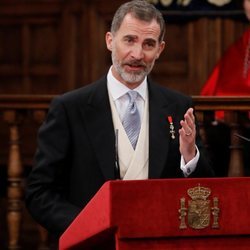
pixel 190 213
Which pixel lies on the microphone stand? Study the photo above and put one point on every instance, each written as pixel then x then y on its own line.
pixel 117 166
pixel 242 137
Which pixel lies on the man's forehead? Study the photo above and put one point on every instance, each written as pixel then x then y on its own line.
pixel 135 27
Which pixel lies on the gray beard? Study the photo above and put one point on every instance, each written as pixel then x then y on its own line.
pixel 130 77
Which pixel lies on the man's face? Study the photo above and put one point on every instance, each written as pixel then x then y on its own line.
pixel 135 47
pixel 246 5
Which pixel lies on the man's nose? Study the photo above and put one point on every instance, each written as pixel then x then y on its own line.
pixel 137 52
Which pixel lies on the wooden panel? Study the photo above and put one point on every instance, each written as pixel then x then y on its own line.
pixel 30 60
pixel 172 67
pixel 49 47
pixel 10 57
pixel 43 61
pixel 197 54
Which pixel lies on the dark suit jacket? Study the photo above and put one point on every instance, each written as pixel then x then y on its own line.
pixel 76 150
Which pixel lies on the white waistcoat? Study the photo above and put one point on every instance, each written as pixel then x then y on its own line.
pixel 133 163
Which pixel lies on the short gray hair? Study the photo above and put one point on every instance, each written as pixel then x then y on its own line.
pixel 141 10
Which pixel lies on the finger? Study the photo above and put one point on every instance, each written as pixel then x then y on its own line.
pixel 185 135
pixel 187 130
pixel 190 114
pixel 189 117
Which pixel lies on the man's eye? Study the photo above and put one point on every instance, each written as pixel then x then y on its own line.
pixel 129 40
pixel 149 45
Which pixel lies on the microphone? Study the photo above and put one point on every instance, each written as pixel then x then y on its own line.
pixel 117 166
pixel 242 137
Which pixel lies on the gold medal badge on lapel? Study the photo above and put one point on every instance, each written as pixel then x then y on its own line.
pixel 171 127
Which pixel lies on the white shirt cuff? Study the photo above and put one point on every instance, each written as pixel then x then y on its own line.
pixel 189 168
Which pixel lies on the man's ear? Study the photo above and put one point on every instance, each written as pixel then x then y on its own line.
pixel 109 40
pixel 160 49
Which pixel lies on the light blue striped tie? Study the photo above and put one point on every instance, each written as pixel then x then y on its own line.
pixel 131 121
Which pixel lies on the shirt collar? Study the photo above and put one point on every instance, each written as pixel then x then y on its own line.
pixel 118 89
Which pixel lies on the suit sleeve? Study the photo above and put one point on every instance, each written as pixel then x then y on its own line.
pixel 46 193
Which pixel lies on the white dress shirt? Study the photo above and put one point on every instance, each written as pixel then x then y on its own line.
pixel 119 91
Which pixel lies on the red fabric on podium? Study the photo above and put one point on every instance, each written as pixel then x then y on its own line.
pixel 143 214
pixel 191 243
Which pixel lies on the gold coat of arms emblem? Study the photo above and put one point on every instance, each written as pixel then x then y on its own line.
pixel 201 211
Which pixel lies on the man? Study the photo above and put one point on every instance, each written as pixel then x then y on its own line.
pixel 85 129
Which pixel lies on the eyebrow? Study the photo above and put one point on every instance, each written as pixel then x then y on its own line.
pixel 130 36
pixel 146 40
pixel 151 40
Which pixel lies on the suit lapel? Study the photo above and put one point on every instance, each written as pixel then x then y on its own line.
pixel 159 109
pixel 100 127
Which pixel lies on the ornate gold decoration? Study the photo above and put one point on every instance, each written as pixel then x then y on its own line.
pixel 215 213
pixel 219 2
pixel 166 2
pixel 183 214
pixel 183 2
pixel 199 209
